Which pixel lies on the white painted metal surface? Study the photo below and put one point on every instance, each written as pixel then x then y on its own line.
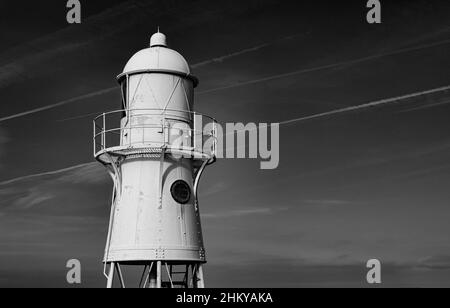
pixel 155 218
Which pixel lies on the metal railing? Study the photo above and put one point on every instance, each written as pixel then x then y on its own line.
pixel 174 130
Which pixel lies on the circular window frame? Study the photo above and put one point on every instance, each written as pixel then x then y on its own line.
pixel 178 198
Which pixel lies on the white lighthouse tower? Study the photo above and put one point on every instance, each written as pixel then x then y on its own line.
pixel 155 148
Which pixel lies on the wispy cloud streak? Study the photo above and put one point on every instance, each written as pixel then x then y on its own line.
pixel 47 173
pixel 274 77
pixel 109 90
pixel 61 103
pixel 242 52
pixel 325 67
pixel 392 100
pixel 22 62
pixel 396 99
pixel 427 106
pixel 245 212
pixel 3 140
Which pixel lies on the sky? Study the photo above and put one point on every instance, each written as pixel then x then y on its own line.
pixel 350 187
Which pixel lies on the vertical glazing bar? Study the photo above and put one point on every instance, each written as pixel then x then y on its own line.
pixel 128 94
pixel 130 129
pixel 166 132
pixel 194 132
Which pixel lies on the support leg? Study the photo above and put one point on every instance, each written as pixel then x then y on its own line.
pixel 110 275
pixel 119 273
pixel 153 275
pixel 144 276
pixel 200 282
pixel 158 275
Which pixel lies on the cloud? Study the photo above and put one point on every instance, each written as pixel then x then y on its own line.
pixel 112 89
pixel 33 197
pixel 244 212
pixel 324 67
pixel 436 262
pixel 255 81
pixel 368 105
pixel 91 173
pixel 27 192
pixel 3 140
pixel 278 272
pixel 213 189
pixel 34 58
pixel 59 104
pixel 427 106
pixel 44 174
pixel 330 203
pixel 241 52
pixel 23 62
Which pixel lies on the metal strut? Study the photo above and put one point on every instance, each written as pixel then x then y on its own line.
pixel 117 187
pixel 197 177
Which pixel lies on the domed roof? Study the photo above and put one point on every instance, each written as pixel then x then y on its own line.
pixel 157 58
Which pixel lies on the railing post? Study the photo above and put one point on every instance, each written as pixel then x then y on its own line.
pixel 215 138
pixel 104 132
pixel 95 138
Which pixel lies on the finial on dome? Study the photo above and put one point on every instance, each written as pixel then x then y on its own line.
pixel 158 40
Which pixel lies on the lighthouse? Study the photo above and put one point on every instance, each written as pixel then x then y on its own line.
pixel 155 147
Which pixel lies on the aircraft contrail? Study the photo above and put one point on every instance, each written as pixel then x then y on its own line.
pixel 61 103
pixel 243 51
pixel 23 62
pixel 441 103
pixel 396 99
pixel 204 63
pixel 37 175
pixel 274 77
pixel 298 72
pixel 108 90
pixel 231 55
pixel 367 105
pixel 327 66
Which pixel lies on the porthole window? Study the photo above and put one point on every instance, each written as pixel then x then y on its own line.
pixel 181 192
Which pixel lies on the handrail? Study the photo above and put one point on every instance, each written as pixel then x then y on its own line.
pixel 100 130
pixel 165 111
pixel 147 126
